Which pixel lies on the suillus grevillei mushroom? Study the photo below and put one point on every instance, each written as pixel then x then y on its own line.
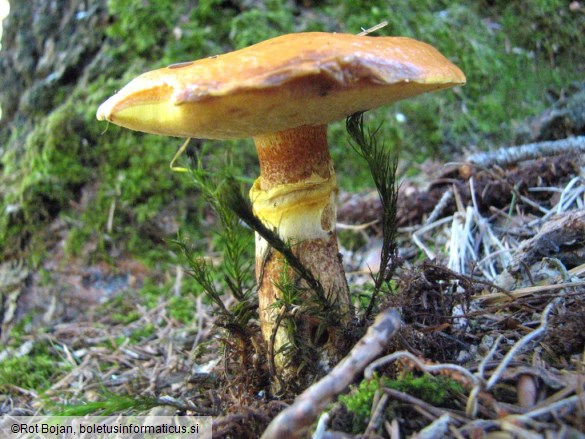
pixel 283 92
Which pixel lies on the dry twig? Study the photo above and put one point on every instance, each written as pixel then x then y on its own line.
pixel 291 422
pixel 510 155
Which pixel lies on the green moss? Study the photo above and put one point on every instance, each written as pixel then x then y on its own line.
pixel 21 329
pixel 135 24
pixel 546 27
pixel 437 390
pixel 34 371
pixel 45 175
pixel 29 373
pixel 126 318
pixel 183 30
pixel 359 401
pixel 109 403
pixel 182 309
pixel 135 336
pixel 255 25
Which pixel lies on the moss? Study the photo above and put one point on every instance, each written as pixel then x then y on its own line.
pixel 34 371
pixel 126 318
pixel 438 391
pixel 255 25
pixel 360 399
pixel 134 337
pixel 29 373
pixel 45 175
pixel 134 22
pixel 182 307
pixel 109 403
pixel 183 30
pixel 545 27
pixel 359 402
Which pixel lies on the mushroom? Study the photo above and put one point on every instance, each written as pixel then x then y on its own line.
pixel 283 92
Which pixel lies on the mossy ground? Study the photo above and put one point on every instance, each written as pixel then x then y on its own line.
pixel 109 185
pixel 435 390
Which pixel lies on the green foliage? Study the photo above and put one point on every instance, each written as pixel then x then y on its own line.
pixel 44 175
pixel 258 24
pixel 140 28
pixel 359 402
pixel 544 27
pixel 34 371
pixel 142 333
pixel 182 308
pixel 121 309
pixel 168 32
pixel 290 293
pixel 383 165
pixel 110 404
pixel 436 390
pixel 71 166
pixel 202 272
pixel 29 373
pixel 236 243
pixel 125 318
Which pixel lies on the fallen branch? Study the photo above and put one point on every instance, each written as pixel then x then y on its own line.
pixel 494 187
pixel 291 422
pixel 513 154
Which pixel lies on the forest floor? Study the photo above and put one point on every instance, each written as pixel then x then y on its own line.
pixel 490 289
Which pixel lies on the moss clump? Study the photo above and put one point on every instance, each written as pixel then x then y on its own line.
pixel 434 390
pixel 34 371
pixel 31 373
pixel 359 401
pixel 134 24
pixel 109 404
pixel 255 25
pixel 44 176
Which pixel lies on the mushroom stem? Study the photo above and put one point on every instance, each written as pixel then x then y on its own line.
pixel 295 195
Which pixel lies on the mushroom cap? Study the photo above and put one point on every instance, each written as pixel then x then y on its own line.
pixel 285 82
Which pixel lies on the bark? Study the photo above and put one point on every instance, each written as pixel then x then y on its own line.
pixel 46 49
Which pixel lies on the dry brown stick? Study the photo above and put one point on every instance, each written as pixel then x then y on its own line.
pixel 435 411
pixel 514 154
pixel 291 422
pixel 377 414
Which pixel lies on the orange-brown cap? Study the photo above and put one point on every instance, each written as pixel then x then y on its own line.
pixel 282 83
